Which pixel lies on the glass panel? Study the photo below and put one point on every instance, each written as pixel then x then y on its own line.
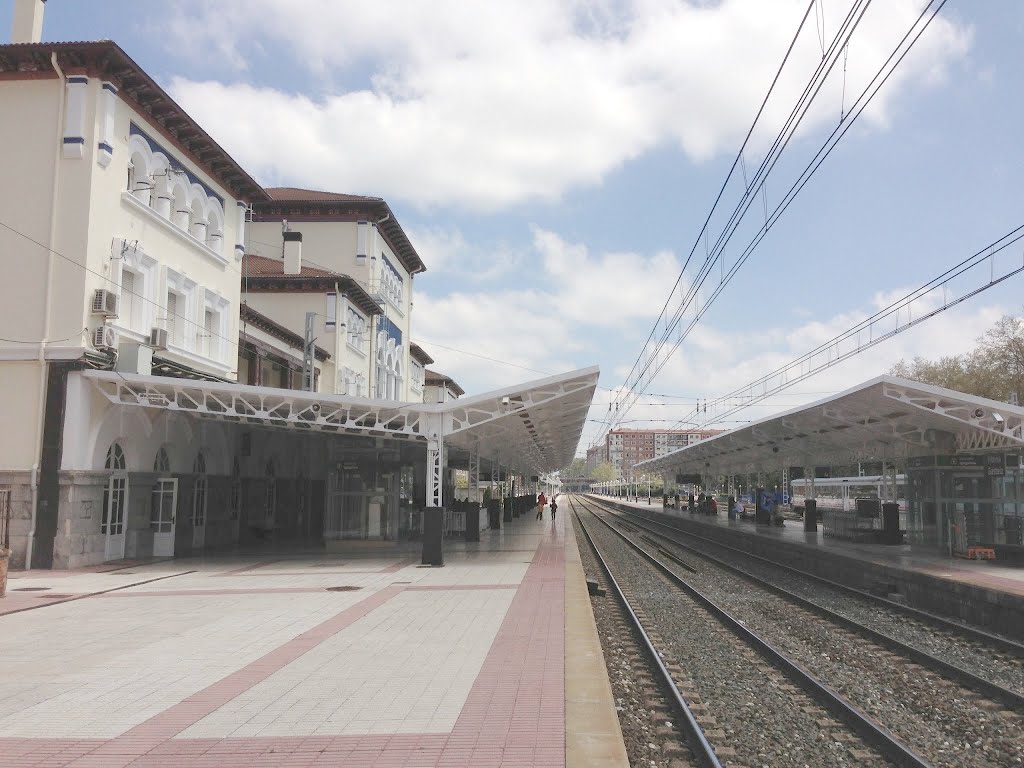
pixel 117 505
pixel 106 509
pixel 162 513
pixel 199 503
pixel 172 312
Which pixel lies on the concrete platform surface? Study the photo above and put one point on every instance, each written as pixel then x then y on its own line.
pixel 356 659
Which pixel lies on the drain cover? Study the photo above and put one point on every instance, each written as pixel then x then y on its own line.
pixel 343 589
pixel 29 589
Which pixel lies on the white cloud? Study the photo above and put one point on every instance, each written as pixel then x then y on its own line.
pixel 495 103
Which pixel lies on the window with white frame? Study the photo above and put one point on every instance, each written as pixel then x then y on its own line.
pixel 356 329
pixel 129 306
pixel 391 283
pixel 180 311
pixel 214 331
pixel 416 375
pixel 132 275
pixel 175 323
pixel 389 368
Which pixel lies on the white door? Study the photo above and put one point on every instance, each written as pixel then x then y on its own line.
pixel 161 521
pixel 199 513
pixel 115 513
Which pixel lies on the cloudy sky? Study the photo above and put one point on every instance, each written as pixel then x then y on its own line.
pixel 554 161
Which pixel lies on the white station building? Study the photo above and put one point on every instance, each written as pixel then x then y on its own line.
pixel 161 396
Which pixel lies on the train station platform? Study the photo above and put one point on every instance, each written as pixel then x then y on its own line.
pixel 985 593
pixel 360 658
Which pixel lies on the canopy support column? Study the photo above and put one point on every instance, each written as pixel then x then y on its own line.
pixel 474 473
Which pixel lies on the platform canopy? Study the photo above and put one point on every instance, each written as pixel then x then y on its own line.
pixel 886 418
pixel 531 428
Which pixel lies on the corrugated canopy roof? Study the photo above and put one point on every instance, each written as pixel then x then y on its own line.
pixel 884 418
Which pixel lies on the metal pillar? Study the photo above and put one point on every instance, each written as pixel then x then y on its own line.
pixel 307 353
pixel 433 424
pixel 474 473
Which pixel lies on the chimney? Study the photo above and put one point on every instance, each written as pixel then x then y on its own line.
pixel 292 253
pixel 28 21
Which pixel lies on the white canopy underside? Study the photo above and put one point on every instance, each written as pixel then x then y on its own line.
pixel 531 428
pixel 885 418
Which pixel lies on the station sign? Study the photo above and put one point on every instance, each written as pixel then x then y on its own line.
pixel 994 464
pixel 689 479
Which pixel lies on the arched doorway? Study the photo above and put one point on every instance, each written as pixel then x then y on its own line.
pixel 115 504
pixel 162 506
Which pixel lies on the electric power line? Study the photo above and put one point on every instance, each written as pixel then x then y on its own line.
pixel 870 91
pixel 798 112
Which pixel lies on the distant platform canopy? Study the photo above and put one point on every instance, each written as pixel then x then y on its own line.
pixel 886 418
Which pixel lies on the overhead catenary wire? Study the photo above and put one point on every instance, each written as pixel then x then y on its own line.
pixel 799 110
pixel 757 184
pixel 738 159
pixel 1011 238
pixel 884 72
pixel 809 170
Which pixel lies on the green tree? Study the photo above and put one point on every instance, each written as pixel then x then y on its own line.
pixel 578 468
pixel 994 369
pixel 603 473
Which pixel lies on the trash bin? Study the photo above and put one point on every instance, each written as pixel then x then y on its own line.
pixel 810 516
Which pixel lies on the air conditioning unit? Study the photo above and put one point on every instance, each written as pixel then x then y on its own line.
pixel 104 337
pixel 104 303
pixel 158 338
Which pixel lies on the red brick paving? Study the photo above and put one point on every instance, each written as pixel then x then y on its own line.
pixel 514 714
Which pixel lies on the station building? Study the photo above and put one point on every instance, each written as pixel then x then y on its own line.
pixel 959 456
pixel 191 362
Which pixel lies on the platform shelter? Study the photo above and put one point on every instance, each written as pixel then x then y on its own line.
pixel 959 455
pixel 162 467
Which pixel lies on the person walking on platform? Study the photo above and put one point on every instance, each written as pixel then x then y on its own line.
pixel 554 507
pixel 541 503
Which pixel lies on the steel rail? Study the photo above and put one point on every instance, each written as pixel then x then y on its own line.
pixel 868 729
pixel 964 677
pixel 1002 643
pixel 702 750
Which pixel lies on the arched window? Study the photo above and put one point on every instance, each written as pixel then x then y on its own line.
pixel 115 457
pixel 162 462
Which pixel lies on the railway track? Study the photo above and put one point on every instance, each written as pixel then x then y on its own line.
pixel 946 715
pixel 753 707
pixel 991 663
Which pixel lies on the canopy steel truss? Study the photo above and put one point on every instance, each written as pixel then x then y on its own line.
pixel 531 428
pixel 885 418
